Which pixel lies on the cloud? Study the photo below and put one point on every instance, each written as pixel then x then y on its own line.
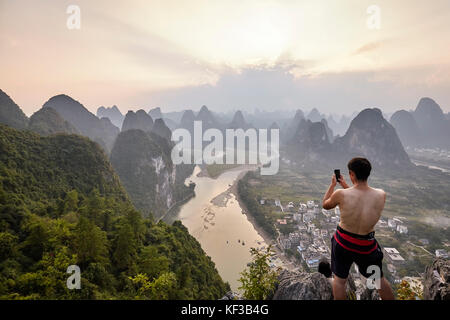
pixel 368 47
pixel 276 88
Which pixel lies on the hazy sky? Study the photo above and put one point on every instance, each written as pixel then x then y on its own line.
pixel 227 54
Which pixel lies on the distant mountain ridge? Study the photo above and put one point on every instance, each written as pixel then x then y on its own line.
pixel 47 121
pixel 10 113
pixel 427 126
pixel 101 131
pixel 369 135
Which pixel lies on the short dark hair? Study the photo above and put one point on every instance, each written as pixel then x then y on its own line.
pixel 361 167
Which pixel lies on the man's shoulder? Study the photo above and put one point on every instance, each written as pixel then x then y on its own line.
pixel 379 193
pixel 379 190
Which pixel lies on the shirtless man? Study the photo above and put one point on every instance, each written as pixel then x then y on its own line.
pixel 354 240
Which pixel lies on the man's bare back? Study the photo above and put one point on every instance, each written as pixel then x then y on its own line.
pixel 361 208
pixel 360 205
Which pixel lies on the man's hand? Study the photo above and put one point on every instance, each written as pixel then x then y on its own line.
pixel 331 198
pixel 333 181
pixel 342 182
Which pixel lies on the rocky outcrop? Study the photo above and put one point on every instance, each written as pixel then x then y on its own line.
pixel 302 286
pixel 436 284
pixel 315 286
pixel 308 286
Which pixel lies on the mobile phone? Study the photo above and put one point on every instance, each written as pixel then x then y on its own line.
pixel 337 173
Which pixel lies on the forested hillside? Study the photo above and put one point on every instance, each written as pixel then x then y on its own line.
pixel 62 204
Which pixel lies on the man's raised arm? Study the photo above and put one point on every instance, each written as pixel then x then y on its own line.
pixel 331 198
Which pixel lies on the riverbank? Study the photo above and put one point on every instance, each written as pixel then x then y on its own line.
pixel 268 239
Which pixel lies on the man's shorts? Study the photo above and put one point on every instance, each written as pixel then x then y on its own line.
pixel 347 247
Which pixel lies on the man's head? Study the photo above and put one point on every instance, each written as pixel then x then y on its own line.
pixel 359 169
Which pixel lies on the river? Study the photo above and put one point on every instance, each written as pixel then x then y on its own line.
pixel 214 217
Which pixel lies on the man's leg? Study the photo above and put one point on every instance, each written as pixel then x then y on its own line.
pixel 385 290
pixel 339 292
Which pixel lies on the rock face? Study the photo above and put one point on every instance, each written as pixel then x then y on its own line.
pixel 47 121
pixel 289 130
pixel 10 113
pixel 160 128
pixel 138 120
pixel 437 280
pixel 142 161
pixel 146 171
pixel 302 286
pixel 371 136
pixel 328 130
pixel 100 131
pixel 112 114
pixel 407 129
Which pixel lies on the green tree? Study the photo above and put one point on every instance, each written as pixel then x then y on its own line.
pixel 258 280
pixel 8 244
pixel 125 251
pixel 158 289
pixel 90 242
pixel 71 201
pixel 151 262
